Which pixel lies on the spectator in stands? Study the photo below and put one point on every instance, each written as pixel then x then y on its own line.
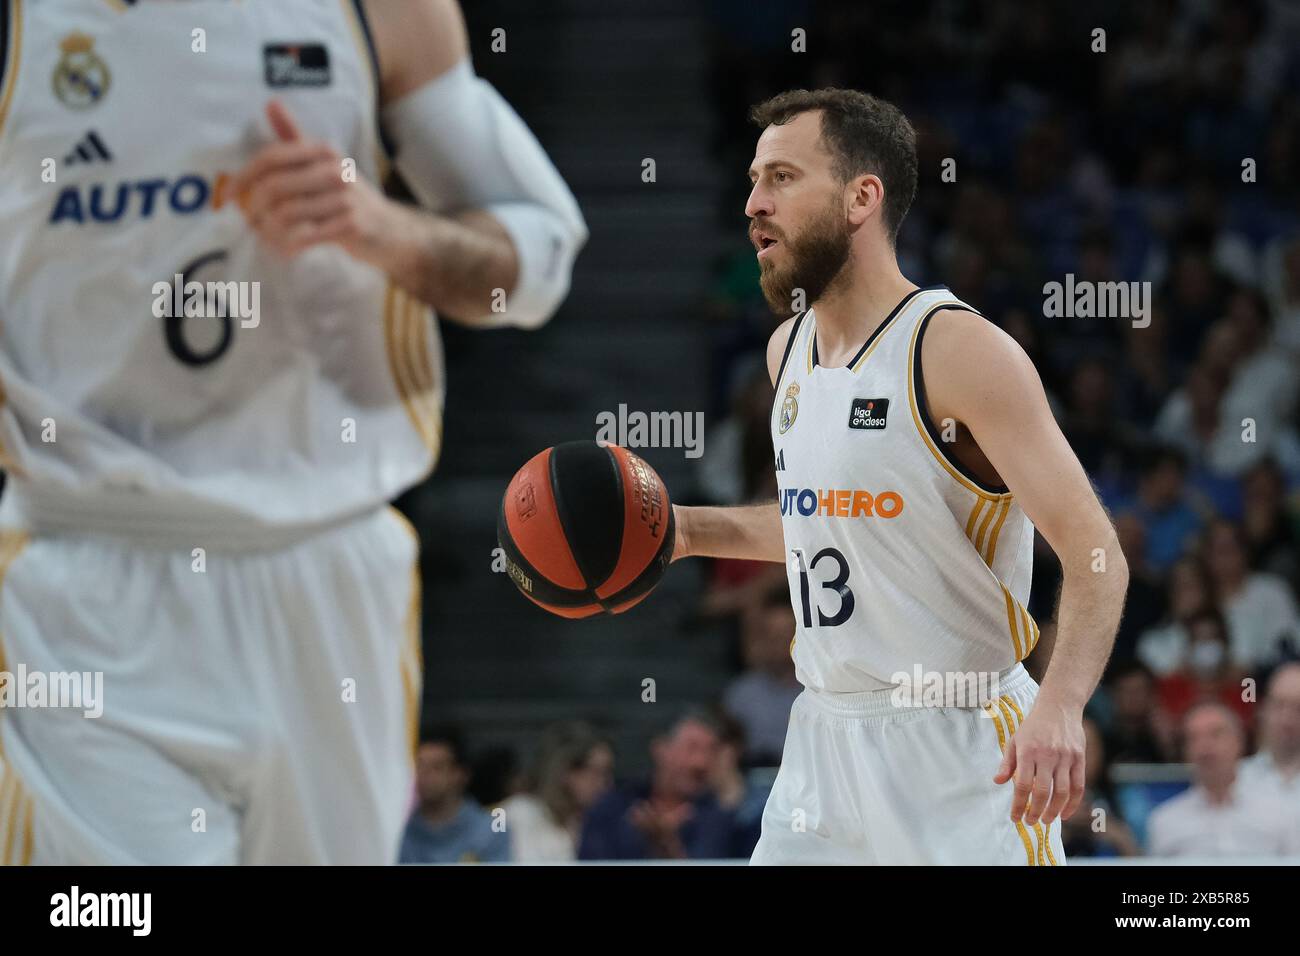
pixel 1096 829
pixel 573 769
pixel 1163 649
pixel 1135 733
pixel 493 775
pixel 1091 423
pixel 1261 611
pixel 1207 673
pixel 446 827
pixel 672 816
pixel 1262 389
pixel 1272 532
pixel 735 790
pixel 1191 418
pixel 1144 606
pixel 1277 765
pixel 1162 505
pixel 1219 816
pixel 726 470
pixel 760 698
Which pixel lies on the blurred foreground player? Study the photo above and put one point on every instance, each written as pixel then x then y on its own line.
pixel 915 453
pixel 197 503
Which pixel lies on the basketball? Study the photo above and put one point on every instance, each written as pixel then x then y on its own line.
pixel 586 528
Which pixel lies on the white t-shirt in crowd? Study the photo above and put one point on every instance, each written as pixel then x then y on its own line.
pixel 1261 772
pixel 534 836
pixel 1254 822
pixel 1261 613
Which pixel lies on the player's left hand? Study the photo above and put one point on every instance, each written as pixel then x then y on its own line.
pixel 294 195
pixel 1045 756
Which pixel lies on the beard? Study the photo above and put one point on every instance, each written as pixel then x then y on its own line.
pixel 817 257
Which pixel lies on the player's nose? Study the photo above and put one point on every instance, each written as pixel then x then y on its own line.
pixel 759 203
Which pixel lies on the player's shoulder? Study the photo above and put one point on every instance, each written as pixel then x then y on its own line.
pixel 416 41
pixel 959 339
pixel 779 345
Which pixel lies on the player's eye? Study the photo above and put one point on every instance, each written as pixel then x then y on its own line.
pixel 782 176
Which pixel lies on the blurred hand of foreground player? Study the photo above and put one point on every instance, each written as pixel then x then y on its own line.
pixel 1045 757
pixel 294 194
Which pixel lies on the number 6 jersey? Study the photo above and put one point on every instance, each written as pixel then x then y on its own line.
pixel 309 391
pixel 901 563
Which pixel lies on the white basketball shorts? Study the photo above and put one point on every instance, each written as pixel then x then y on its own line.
pixel 865 781
pixel 254 706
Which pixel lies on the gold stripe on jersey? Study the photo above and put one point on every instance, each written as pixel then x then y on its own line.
pixel 925 434
pixel 413 661
pixel 1024 631
pixel 406 329
pixel 997 529
pixel 812 340
pixel 12 60
pixel 372 80
pixel 876 341
pixel 1011 623
pixel 1044 830
pixel 1002 746
pixel 977 526
pixel 974 514
pixel 15 820
pixel 984 526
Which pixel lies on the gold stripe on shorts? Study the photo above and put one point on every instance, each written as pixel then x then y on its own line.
pixel 1044 830
pixel 1002 746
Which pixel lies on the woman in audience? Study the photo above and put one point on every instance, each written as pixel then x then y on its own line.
pixel 573 768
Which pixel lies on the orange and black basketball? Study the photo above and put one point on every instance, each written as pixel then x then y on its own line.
pixel 586 528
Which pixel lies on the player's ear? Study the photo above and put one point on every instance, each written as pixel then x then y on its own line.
pixel 866 194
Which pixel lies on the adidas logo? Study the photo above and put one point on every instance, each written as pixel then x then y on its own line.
pixel 91 149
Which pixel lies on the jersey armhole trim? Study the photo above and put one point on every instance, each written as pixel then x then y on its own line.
pixel 789 347
pixel 921 417
pixel 11 39
pixel 356 11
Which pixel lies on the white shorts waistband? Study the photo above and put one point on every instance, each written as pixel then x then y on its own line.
pixel 149 520
pixel 902 699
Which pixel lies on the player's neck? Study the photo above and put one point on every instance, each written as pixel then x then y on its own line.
pixel 855 304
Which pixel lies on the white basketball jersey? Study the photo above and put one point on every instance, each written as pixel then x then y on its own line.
pixel 318 396
pixel 899 560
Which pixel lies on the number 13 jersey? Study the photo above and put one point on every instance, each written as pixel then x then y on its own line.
pixel 901 563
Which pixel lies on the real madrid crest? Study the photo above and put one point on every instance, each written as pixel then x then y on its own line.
pixel 789 408
pixel 81 77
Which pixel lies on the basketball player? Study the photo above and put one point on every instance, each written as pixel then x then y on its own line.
pixel 196 507
pixel 915 455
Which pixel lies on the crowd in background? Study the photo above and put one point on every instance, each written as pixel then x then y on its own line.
pixel 1170 159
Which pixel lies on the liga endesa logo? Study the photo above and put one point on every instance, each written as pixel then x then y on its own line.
pixel 840 503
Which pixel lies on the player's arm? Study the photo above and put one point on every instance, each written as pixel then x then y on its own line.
pixel 503 219
pixel 977 375
pixel 751 532
pixel 499 231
